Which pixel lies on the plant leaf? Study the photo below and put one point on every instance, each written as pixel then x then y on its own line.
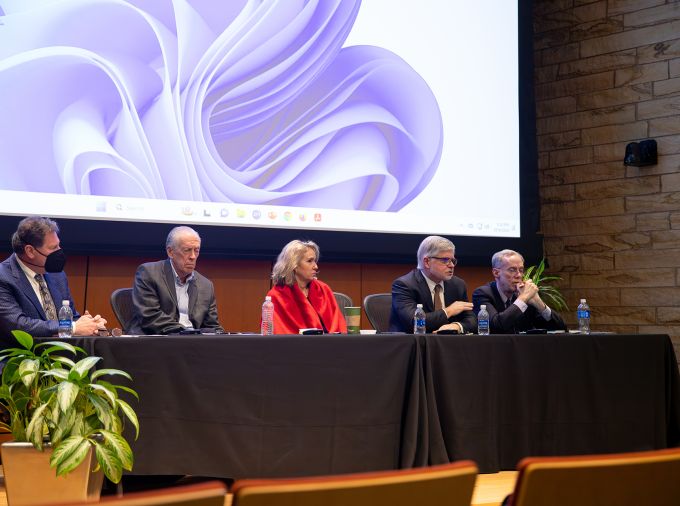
pixel 67 392
pixel 28 370
pixel 63 426
pixel 64 360
pixel 18 428
pixel 110 464
pixel 106 391
pixel 25 339
pixel 130 414
pixel 85 364
pixel 58 345
pixel 61 374
pixel 34 431
pixel 102 372
pixel 102 408
pixel 552 295
pixel 120 447
pixel 69 454
pixel 127 389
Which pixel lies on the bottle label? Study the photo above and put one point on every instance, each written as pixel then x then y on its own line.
pixel 65 324
pixel 583 313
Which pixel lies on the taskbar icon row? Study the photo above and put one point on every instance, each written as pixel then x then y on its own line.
pixel 230 214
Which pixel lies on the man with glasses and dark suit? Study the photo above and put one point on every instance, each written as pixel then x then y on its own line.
pixel 432 284
pixel 514 304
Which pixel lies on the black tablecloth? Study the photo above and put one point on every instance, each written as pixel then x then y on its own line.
pixel 243 406
pixel 254 406
pixel 496 399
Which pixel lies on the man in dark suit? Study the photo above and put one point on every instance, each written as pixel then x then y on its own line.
pixel 170 295
pixel 514 305
pixel 33 285
pixel 432 284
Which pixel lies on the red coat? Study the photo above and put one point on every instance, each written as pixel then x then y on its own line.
pixel 293 311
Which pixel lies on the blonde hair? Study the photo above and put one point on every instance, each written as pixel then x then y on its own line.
pixel 290 257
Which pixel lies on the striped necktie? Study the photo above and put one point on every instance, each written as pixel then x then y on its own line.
pixel 47 302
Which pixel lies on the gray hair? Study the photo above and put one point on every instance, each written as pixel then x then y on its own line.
pixel 290 257
pixel 431 246
pixel 499 256
pixel 174 235
pixel 32 230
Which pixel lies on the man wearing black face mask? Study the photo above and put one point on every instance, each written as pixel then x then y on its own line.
pixel 33 284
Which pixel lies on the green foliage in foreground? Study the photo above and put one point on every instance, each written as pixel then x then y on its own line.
pixel 52 398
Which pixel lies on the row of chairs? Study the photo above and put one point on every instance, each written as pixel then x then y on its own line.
pixel 647 478
pixel 377 307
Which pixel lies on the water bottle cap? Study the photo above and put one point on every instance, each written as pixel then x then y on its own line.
pixel 419 305
pixel 483 306
pixel 65 303
pixel 583 301
pixel 268 297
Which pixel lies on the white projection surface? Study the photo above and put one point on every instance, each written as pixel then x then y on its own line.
pixel 379 116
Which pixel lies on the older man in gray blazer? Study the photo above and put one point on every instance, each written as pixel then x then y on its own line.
pixel 170 296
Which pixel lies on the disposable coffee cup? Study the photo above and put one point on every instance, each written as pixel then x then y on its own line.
pixel 353 317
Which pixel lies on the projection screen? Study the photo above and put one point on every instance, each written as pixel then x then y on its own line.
pixel 329 115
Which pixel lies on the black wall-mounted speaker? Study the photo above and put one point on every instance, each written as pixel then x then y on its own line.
pixel 639 154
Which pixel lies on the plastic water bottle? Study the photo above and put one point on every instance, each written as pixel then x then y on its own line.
pixel 483 321
pixel 583 315
pixel 267 325
pixel 419 320
pixel 65 319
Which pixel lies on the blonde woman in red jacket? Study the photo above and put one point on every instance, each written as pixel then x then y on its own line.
pixel 300 299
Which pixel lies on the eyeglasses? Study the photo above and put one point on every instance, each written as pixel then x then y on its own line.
pixel 515 270
pixel 447 260
pixel 115 332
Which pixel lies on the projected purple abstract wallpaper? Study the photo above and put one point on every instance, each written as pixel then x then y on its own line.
pixel 253 102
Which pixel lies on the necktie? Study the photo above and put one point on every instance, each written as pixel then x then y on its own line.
pixel 48 303
pixel 438 297
pixel 508 302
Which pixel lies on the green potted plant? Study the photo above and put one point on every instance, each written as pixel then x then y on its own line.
pixel 550 294
pixel 62 411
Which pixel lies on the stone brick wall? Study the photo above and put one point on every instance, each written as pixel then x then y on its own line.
pixel 607 73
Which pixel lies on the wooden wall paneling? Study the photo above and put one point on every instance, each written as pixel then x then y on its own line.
pixel 474 277
pixel 76 270
pixel 240 288
pixel 343 277
pixel 378 278
pixel 106 274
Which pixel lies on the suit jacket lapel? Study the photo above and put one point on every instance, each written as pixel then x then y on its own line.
pixel 498 302
pixel 25 286
pixel 449 292
pixel 425 294
pixel 169 278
